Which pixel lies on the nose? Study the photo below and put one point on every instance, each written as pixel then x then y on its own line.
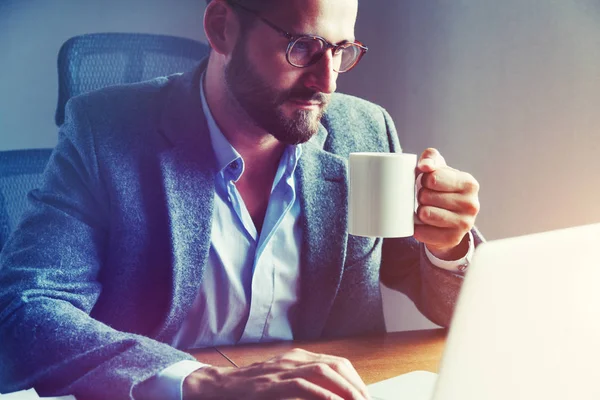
pixel 321 76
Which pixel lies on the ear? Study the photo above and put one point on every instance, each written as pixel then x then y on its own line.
pixel 221 26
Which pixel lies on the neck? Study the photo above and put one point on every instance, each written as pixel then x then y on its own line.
pixel 256 146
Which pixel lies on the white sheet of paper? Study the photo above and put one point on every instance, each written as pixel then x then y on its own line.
pixel 416 385
pixel 31 394
pixel 22 395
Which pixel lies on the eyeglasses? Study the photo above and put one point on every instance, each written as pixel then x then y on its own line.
pixel 306 50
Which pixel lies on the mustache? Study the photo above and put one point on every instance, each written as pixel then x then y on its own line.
pixel 304 94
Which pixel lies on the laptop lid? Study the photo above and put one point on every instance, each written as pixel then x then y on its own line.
pixel 527 322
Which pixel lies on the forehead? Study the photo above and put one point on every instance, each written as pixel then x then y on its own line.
pixel 332 19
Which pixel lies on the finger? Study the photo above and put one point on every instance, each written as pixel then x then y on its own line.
pixel 299 388
pixel 341 365
pixel 450 180
pixel 457 202
pixel 345 368
pixel 438 217
pixel 438 237
pixel 430 160
pixel 442 218
pixel 324 376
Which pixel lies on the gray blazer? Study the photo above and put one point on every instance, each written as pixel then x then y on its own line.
pixel 108 259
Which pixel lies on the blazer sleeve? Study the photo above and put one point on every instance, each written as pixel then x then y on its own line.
pixel 406 268
pixel 48 286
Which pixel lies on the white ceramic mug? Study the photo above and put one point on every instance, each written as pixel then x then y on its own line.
pixel 381 201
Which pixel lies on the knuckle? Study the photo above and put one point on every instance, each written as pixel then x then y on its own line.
pixel 297 383
pixel 265 380
pixel 294 354
pixel 342 362
pixel 320 369
pixel 464 224
pixel 473 208
pixel 471 184
pixel 469 206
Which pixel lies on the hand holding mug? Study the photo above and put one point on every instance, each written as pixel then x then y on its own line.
pixel 382 200
pixel 448 205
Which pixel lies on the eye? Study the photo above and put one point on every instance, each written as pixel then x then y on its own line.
pixel 306 50
pixel 302 46
pixel 308 45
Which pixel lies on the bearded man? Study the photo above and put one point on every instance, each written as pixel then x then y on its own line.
pixel 210 208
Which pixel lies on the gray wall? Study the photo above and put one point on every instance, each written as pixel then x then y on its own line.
pixel 507 90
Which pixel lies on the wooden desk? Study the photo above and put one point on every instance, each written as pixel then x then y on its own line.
pixel 375 357
pixel 211 356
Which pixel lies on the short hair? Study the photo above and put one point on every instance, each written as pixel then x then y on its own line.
pixel 256 5
pixel 247 20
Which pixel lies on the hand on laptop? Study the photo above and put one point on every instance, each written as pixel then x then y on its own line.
pixel 294 374
pixel 448 206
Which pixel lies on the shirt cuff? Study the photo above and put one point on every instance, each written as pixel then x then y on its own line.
pixel 457 266
pixel 168 383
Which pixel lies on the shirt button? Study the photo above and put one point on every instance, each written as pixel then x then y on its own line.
pixel 233 165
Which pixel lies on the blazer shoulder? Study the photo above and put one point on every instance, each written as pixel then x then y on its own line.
pixel 122 116
pixel 122 103
pixel 354 124
pixel 352 107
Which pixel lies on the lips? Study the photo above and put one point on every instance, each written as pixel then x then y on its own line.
pixel 308 98
pixel 307 103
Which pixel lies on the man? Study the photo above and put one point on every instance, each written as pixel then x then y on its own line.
pixel 210 208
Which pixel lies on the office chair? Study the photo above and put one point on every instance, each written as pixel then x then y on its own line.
pixel 96 60
pixel 20 172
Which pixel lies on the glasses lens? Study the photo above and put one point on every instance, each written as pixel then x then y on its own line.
pixel 350 55
pixel 305 51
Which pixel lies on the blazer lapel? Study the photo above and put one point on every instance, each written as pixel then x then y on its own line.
pixel 323 191
pixel 188 171
pixel 188 168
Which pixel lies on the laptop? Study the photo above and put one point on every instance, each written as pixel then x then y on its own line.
pixel 527 323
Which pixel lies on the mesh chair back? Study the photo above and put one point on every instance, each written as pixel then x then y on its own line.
pixel 20 172
pixel 93 61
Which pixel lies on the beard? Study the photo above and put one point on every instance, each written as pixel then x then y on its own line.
pixel 263 103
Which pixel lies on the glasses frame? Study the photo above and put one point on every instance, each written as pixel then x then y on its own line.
pixel 295 38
